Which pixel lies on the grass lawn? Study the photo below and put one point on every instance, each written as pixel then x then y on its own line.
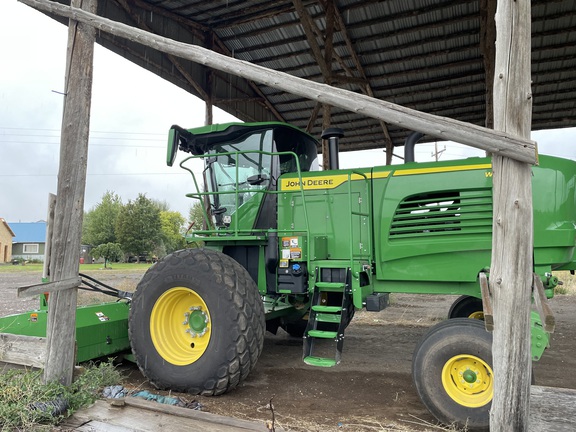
pixel 84 268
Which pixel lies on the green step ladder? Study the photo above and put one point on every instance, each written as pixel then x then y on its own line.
pixel 327 321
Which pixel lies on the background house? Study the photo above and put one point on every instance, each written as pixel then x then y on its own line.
pixel 6 235
pixel 29 240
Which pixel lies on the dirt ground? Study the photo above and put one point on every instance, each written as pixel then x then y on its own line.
pixel 371 390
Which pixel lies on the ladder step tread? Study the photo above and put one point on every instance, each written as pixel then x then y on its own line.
pixel 320 284
pixel 330 286
pixel 323 334
pixel 327 309
pixel 328 317
pixel 320 361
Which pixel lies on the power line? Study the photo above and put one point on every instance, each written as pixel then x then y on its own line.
pixel 91 131
pixel 90 144
pixel 97 174
pixel 159 136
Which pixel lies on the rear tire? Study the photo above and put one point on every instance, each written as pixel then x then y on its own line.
pixel 467 307
pixel 452 372
pixel 196 323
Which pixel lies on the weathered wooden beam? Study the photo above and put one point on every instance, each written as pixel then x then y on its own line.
pixel 308 27
pixel 495 142
pixel 552 409
pixel 132 414
pixel 313 117
pixel 486 302
pixel 511 265
pixel 31 290
pixel 542 306
pixel 488 50
pixel 216 419
pixel 388 144
pixel 48 243
pixel 466 99
pixel 23 350
pixel 312 31
pixel 65 260
pixel 328 35
pixel 441 54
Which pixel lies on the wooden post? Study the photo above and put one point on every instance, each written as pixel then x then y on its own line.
pixel 512 243
pixel 65 257
pixel 488 50
pixel 48 244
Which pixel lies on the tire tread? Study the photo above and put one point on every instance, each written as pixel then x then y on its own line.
pixel 247 316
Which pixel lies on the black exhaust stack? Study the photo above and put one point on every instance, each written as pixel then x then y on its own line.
pixel 409 144
pixel 333 136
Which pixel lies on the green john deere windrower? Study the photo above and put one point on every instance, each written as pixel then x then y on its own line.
pixel 287 245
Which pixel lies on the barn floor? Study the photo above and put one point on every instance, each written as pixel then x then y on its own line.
pixel 370 390
pixel 551 411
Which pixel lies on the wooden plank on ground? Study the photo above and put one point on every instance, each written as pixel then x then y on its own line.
pixel 552 409
pixel 146 416
pixel 23 350
pixel 97 426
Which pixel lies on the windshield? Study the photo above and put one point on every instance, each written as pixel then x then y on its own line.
pixel 238 168
pixel 237 176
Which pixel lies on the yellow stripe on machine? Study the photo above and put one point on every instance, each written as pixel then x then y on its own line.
pixel 416 171
pixel 326 182
pixel 333 181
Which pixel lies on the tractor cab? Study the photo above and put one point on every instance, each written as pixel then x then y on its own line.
pixel 242 161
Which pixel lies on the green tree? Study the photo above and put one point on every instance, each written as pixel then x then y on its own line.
pixel 100 222
pixel 162 205
pixel 196 216
pixel 138 227
pixel 108 251
pixel 172 231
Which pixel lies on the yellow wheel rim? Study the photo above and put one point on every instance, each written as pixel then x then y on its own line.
pixel 479 315
pixel 180 326
pixel 468 380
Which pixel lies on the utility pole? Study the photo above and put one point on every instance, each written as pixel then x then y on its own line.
pixel 436 154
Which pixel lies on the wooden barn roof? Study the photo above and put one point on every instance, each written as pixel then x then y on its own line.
pixel 429 55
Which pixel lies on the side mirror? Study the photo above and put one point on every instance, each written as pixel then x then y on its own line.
pixel 173 138
pixel 176 136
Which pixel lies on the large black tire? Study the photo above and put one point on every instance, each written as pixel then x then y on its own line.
pixel 466 307
pixel 197 323
pixel 452 372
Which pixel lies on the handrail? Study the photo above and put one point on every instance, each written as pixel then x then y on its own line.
pixel 235 231
pixel 359 213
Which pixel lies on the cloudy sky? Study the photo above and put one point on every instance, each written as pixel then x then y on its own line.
pixel 132 110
